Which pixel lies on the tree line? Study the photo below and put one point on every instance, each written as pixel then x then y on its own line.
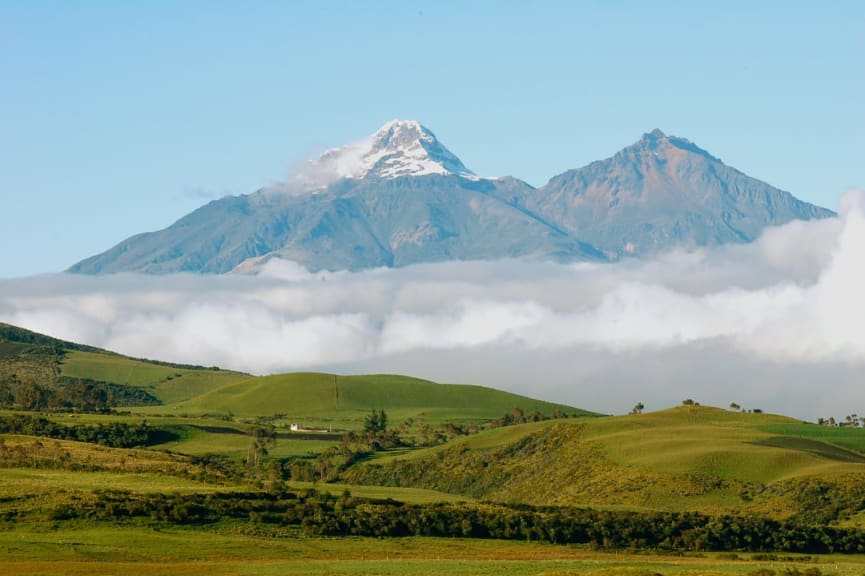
pixel 71 395
pixel 114 435
pixel 316 514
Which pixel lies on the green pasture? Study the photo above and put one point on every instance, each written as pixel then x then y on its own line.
pixel 686 458
pixel 842 436
pixel 316 399
pixel 729 445
pixel 45 482
pixel 407 495
pixel 169 384
pixel 238 550
pixel 197 441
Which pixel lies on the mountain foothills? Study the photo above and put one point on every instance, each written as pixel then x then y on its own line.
pixel 107 460
pixel 400 197
pixel 455 441
pixel 38 372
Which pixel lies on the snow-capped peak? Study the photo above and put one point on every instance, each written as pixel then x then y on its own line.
pixel 399 148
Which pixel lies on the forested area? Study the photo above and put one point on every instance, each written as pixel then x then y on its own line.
pixel 71 395
pixel 115 434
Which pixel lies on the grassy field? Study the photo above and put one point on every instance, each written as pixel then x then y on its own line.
pixel 198 442
pixel 310 399
pixel 407 495
pixel 40 482
pixel 729 445
pixel 167 383
pixel 844 437
pixel 324 399
pixel 686 458
pixel 229 551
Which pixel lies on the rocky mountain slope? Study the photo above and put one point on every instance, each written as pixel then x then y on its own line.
pixel 400 197
pixel 663 192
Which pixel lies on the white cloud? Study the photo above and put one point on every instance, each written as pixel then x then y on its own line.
pixel 783 316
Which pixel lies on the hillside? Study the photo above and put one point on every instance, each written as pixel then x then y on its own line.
pixel 346 400
pixel 311 398
pixel 663 192
pixel 687 458
pixel 38 372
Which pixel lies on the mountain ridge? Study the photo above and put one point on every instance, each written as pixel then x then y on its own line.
pixel 663 192
pixel 400 197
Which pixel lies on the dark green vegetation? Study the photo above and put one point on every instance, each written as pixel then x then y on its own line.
pixel 214 452
pixel 114 434
pixel 310 513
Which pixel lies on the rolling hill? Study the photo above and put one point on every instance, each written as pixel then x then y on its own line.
pixel 31 361
pixel 690 458
pixel 309 397
pixel 684 459
pixel 314 397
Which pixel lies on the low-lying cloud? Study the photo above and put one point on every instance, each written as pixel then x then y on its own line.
pixel 778 322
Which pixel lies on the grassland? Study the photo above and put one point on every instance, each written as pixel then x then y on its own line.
pixel 228 551
pixel 311 399
pixel 689 458
pixel 325 399
pixel 168 383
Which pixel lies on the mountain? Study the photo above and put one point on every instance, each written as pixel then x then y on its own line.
pixel 662 192
pixel 400 197
pixel 399 148
pixel 397 198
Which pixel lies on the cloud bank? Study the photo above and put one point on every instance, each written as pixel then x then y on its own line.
pixel 778 322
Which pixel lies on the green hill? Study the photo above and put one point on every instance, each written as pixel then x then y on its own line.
pixel 311 399
pixel 326 398
pixel 687 458
pixel 167 382
pixel 35 365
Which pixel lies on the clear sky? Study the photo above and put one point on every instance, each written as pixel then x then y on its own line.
pixel 120 117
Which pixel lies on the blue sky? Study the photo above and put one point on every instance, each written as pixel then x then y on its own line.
pixel 120 117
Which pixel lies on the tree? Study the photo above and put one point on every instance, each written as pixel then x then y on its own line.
pixel 30 395
pixel 519 416
pixel 638 408
pixel 261 440
pixel 375 422
pixel 734 406
pixel 274 475
pixel 689 402
pixel 7 398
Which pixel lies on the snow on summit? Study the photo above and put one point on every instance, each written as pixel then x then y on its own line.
pixel 399 148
